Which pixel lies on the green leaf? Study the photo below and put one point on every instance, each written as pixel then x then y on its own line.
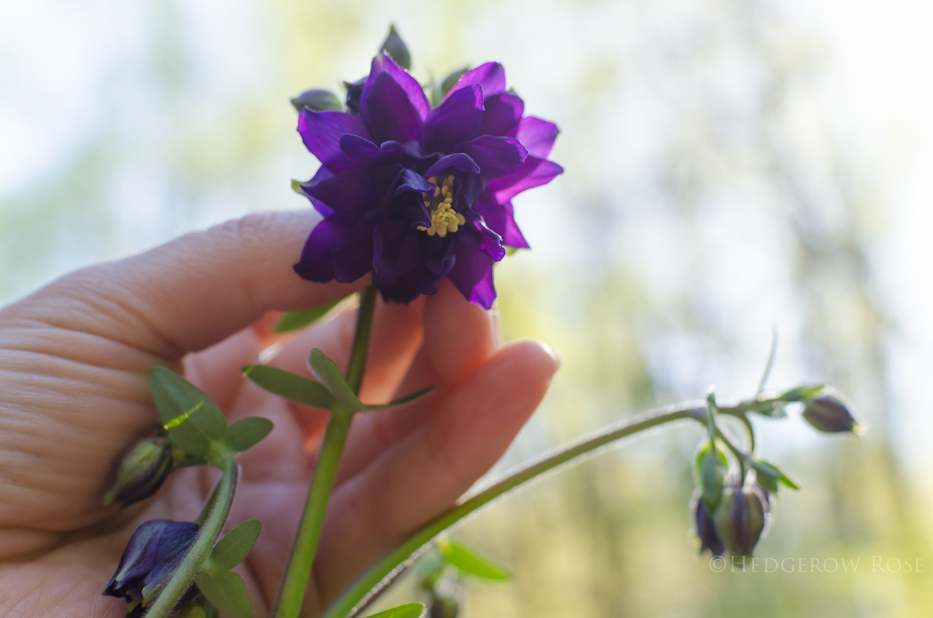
pixel 412 610
pixel 801 392
pixel 190 417
pixel 246 432
pixel 708 470
pixel 769 476
pixel 327 372
pixel 232 549
pixel 468 562
pixel 402 401
pixel 289 385
pixel 227 591
pixel 293 320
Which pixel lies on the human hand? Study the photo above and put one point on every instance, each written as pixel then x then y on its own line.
pixel 75 358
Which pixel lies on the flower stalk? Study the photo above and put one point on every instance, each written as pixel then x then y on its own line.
pixel 291 594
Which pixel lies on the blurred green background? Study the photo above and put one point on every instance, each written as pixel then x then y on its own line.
pixel 731 166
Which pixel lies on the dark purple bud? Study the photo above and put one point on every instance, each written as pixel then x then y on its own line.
pixel 740 519
pixel 354 92
pixel 318 101
pixel 829 414
pixel 153 553
pixel 141 472
pixel 706 530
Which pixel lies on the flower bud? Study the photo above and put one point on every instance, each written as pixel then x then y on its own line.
pixel 740 519
pixel 354 92
pixel 706 530
pixel 829 414
pixel 396 48
pixel 141 472
pixel 708 472
pixel 153 553
pixel 318 101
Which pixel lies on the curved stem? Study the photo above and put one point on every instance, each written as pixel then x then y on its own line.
pixel 741 456
pixel 291 594
pixel 201 550
pixel 355 599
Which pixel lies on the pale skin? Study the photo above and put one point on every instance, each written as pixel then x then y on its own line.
pixel 74 360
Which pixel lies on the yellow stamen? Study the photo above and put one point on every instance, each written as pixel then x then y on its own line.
pixel 444 218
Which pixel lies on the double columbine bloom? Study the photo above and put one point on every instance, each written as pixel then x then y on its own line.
pixel 415 194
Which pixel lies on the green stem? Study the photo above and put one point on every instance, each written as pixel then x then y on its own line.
pixel 292 592
pixel 741 456
pixel 191 566
pixel 358 596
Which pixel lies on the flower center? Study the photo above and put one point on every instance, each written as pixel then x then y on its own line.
pixel 443 216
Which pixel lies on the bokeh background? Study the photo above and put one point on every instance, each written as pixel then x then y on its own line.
pixel 732 166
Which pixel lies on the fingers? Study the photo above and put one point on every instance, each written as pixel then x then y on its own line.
pixel 190 293
pixel 425 473
pixel 458 338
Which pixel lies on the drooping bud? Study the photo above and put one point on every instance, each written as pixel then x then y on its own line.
pixel 141 472
pixel 740 519
pixel 443 607
pixel 706 531
pixel 317 100
pixel 829 414
pixel 708 472
pixel 396 48
pixel 153 553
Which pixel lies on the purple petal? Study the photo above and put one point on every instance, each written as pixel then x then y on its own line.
pixel 395 252
pixel 454 121
pixel 316 263
pixel 350 193
pixel 496 156
pixel 413 90
pixel 491 76
pixel 533 172
pixel 536 135
pixel 322 174
pixel 321 132
pixel 357 148
pixel 459 161
pixel 388 111
pixel 502 113
pixel 472 274
pixel 410 180
pixel 501 219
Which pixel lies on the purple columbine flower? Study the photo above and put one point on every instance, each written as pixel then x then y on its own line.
pixel 415 194
pixel 153 553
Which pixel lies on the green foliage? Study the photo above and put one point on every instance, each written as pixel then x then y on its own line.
pixel 293 320
pixel 469 562
pixel 233 548
pixel 227 590
pixel 191 418
pixel 411 610
pixel 402 400
pixel 770 477
pixel 290 386
pixel 246 432
pixel 327 372
pixel 708 468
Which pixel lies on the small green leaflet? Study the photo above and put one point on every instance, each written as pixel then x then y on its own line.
pixel 402 401
pixel 769 476
pixel 190 417
pixel 233 548
pixel 227 591
pixel 412 610
pixel 290 385
pixel 293 320
pixel 246 432
pixel 327 372
pixel 469 563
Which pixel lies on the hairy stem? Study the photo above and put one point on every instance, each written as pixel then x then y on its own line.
pixel 292 592
pixel 191 566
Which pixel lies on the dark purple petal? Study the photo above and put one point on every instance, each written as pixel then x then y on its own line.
pixel 322 174
pixel 357 148
pixel 410 180
pixel 496 156
pixel 150 557
pixel 316 263
pixel 321 132
pixel 472 273
pixel 350 193
pixel 395 252
pixel 491 76
pixel 533 172
pixel 454 121
pixel 536 135
pixel 501 219
pixel 413 90
pixel 458 161
pixel 387 110
pixel 503 111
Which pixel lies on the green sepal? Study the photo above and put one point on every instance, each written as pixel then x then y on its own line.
pixel 233 548
pixel 469 563
pixel 246 432
pixel 708 467
pixel 318 100
pixel 772 408
pixel 189 416
pixel 227 591
pixel 396 48
pixel 401 401
pixel 439 91
pixel 296 187
pixel 293 320
pixel 327 372
pixel 412 610
pixel 770 477
pixel 801 393
pixel 290 386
